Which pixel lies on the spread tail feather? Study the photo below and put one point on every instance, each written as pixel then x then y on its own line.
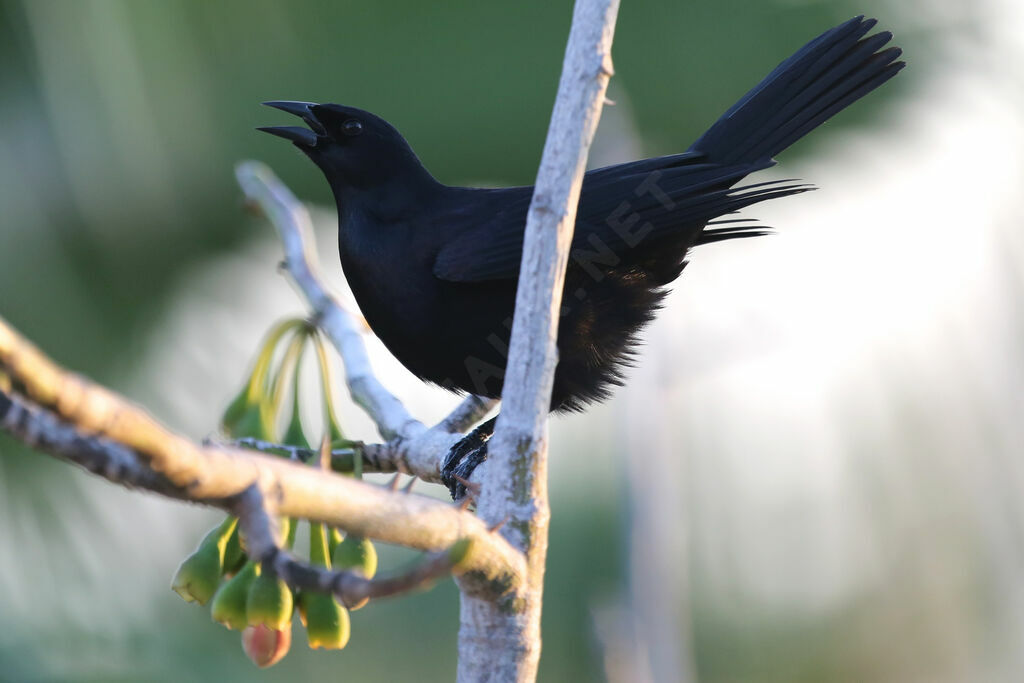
pixel 824 77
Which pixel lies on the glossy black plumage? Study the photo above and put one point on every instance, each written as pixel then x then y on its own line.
pixel 434 268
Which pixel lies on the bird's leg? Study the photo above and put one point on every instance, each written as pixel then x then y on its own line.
pixel 464 457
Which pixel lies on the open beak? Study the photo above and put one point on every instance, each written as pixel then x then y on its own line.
pixel 302 137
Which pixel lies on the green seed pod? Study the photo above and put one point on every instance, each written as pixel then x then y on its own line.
pixel 249 413
pixel 327 622
pixel 294 435
pixel 356 553
pixel 257 422
pixel 300 605
pixel 289 369
pixel 235 411
pixel 334 431
pixel 288 528
pixel 234 555
pixel 337 437
pixel 229 603
pixel 197 578
pixel 333 541
pixel 318 545
pixel 270 601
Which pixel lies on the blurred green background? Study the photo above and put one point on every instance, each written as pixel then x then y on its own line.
pixel 811 476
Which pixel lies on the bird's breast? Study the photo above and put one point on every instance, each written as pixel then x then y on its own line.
pixel 390 275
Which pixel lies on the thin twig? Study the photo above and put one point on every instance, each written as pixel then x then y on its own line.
pixel 342 459
pixel 295 228
pixel 468 413
pixel 351 588
pixel 342 327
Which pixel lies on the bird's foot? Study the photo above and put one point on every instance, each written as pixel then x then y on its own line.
pixel 464 457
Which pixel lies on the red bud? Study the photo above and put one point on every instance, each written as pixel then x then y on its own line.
pixel 266 646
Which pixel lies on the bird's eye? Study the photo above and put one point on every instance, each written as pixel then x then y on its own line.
pixel 352 127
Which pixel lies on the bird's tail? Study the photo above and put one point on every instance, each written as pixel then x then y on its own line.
pixel 824 77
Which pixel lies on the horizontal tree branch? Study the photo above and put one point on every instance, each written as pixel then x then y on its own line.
pixel 100 430
pixel 41 430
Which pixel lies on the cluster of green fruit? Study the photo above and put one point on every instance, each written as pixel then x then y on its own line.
pixel 244 594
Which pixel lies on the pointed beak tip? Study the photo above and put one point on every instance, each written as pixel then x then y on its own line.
pixel 304 110
pixel 303 137
pixel 293 107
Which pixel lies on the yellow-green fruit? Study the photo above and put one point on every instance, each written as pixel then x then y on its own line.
pixel 229 604
pixel 293 434
pixel 300 605
pixel 234 556
pixel 318 545
pixel 198 576
pixel 250 413
pixel 257 422
pixel 356 553
pixel 289 527
pixel 336 436
pixel 270 601
pixel 333 541
pixel 235 410
pixel 327 622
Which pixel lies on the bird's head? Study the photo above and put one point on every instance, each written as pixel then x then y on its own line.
pixel 354 148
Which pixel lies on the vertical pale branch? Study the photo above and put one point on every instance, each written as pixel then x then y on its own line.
pixel 501 642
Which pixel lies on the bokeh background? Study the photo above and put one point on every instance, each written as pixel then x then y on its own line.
pixel 814 474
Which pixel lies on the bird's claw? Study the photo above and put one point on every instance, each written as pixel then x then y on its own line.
pixel 464 457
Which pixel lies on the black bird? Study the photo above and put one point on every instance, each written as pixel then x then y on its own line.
pixel 434 268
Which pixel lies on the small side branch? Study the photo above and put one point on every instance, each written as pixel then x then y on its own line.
pixel 351 588
pixel 411 447
pixel 295 228
pixel 419 457
pixel 342 459
pixel 472 410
